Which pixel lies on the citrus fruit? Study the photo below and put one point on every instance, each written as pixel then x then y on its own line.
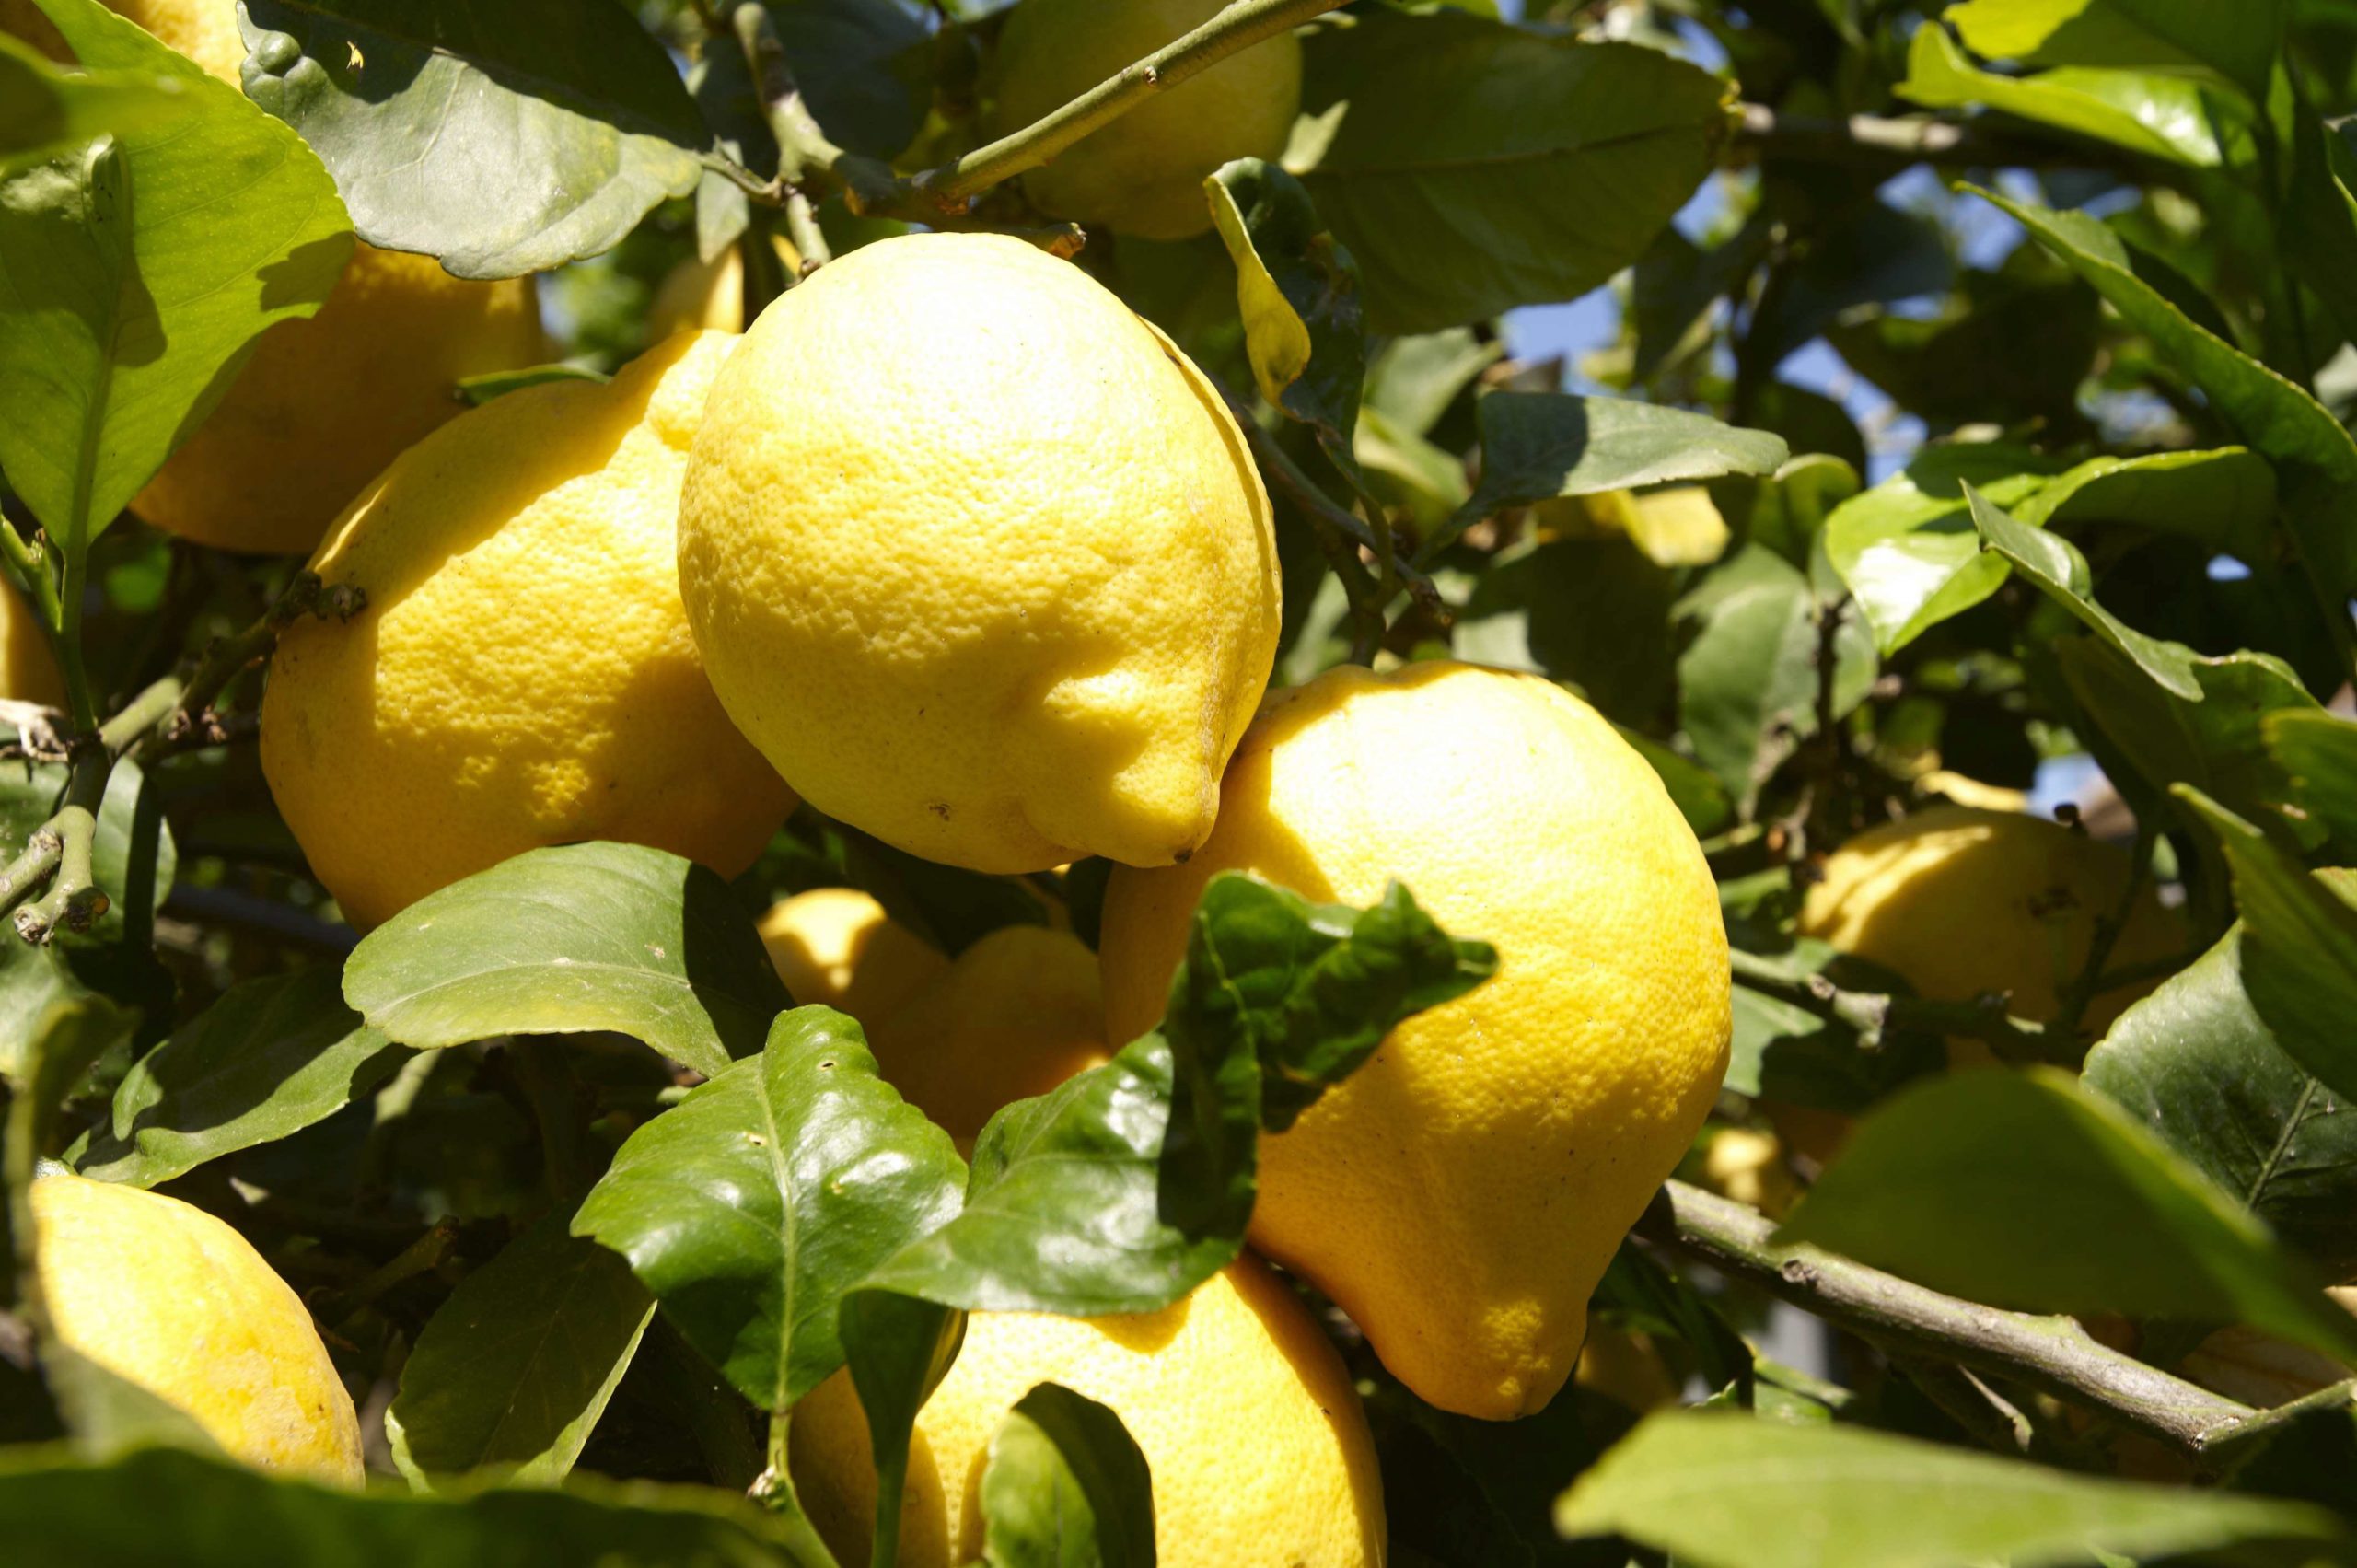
pixel 522 673
pixel 1142 174
pixel 1259 1449
pixel 835 947
pixel 29 671
pixel 1460 1193
pixel 710 294
pixel 978 560
pixel 164 1296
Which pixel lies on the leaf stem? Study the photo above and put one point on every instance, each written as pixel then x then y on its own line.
pixel 2051 1355
pixel 74 899
pixel 1873 1013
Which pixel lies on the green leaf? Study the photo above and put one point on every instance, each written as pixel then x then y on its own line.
pixel 1699 796
pixel 1080 1205
pixel 1473 165
pixel 1297 290
pixel 136 274
pixel 1537 445
pixel 2088 1211
pixel 1721 1490
pixel 505 139
pixel 107 1415
pixel 45 109
pixel 2315 458
pixel 272 1057
pixel 477 390
pixel 1064 1486
pixel 1907 549
pixel 750 1207
pixel 2223 499
pixel 573 938
pixel 898 1350
pixel 2299 946
pixel 864 66
pixel 1592 612
pixel 2197 38
pixel 161 1509
pixel 2195 1063
pixel 1412 381
pixel 2159 116
pixel 2319 752
pixel 511 1375
pixel 2054 564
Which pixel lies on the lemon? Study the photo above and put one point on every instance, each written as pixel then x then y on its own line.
pixel 1957 900
pixel 978 560
pixel 522 673
pixel 322 404
pixel 165 1297
pixel 836 946
pixel 29 671
pixel 710 294
pixel 1625 1367
pixel 1143 173
pixel 1255 1440
pixel 1460 1194
pixel 1016 1014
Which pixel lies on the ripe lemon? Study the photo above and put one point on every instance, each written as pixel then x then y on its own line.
pixel 710 294
pixel 1460 1194
pixel 29 671
pixel 522 674
pixel 978 560
pixel 164 1295
pixel 836 946
pixel 324 403
pixel 1957 900
pixel 1016 1015
pixel 1143 173
pixel 1248 1420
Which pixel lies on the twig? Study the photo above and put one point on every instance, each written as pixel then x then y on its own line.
pixel 1875 142
pixel 2088 982
pixel 1873 1013
pixel 2052 1355
pixel 73 901
pixel 1982 1413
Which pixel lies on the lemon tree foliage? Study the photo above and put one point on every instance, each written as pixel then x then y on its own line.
pixel 795 783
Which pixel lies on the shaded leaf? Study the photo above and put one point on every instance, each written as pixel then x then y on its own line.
pixel 136 274
pixel 477 390
pixel 45 110
pixel 2224 499
pixel 1473 165
pixel 1724 1491
pixel 573 938
pixel 504 140
pixel 2319 752
pixel 2195 1063
pixel 2088 1211
pixel 1064 1486
pixel 2055 566
pixel 269 1058
pixel 1592 612
pixel 752 1205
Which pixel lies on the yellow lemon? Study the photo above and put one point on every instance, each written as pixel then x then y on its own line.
pixel 324 403
pixel 522 673
pixel 1460 1194
pixel 29 671
pixel 1958 900
pixel 710 294
pixel 977 559
pixel 836 948
pixel 1143 173
pixel 164 1295
pixel 1016 1014
pixel 1255 1440
pixel 1625 1367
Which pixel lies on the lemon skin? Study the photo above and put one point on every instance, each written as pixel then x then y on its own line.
pixel 1461 1192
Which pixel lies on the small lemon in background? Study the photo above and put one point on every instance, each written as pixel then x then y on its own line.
pixel 168 1297
pixel 29 671
pixel 836 948
pixel 710 294
pixel 522 674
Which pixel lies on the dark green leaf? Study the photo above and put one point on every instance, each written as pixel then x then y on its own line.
pixel 1472 167
pixel 272 1057
pixel 43 109
pixel 2055 566
pixel 866 67
pixel 160 1508
pixel 1297 290
pixel 136 274
pixel 2299 946
pixel 1065 1486
pixel 2195 1063
pixel 1721 1490
pixel 1699 797
pixel 750 1207
pixel 573 938
pixel 899 1349
pixel 2318 751
pixel 505 139
pixel 1536 445
pixel 1592 612
pixel 513 1372
pixel 2088 1211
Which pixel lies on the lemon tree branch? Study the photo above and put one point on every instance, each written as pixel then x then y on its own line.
pixel 2052 1355
pixel 1873 1013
